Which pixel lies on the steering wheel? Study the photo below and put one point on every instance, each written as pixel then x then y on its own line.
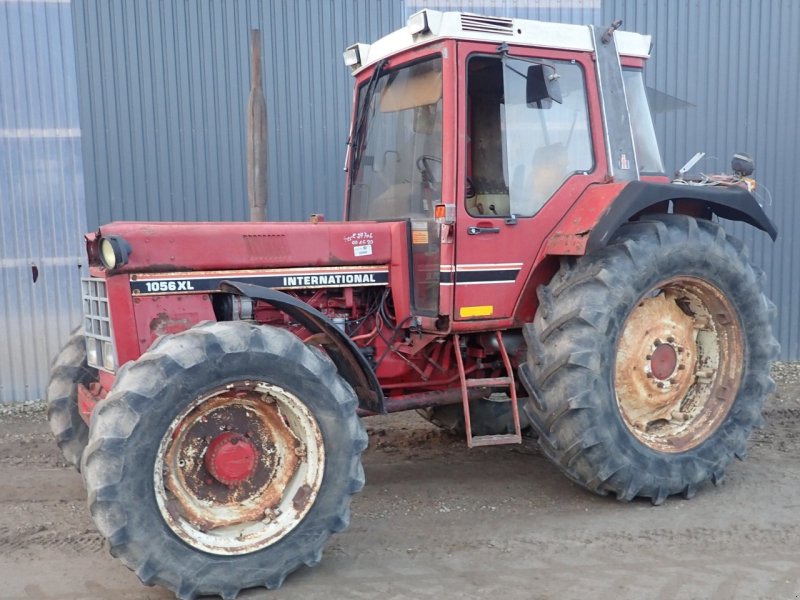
pixel 424 167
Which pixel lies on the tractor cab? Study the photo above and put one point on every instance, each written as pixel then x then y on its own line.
pixel 482 132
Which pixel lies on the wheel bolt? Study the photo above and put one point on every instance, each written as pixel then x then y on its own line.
pixel 670 339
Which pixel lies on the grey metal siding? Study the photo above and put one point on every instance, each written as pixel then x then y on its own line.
pixel 164 88
pixel 163 85
pixel 41 192
pixel 736 62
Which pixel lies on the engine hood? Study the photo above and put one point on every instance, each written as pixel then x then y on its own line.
pixel 176 247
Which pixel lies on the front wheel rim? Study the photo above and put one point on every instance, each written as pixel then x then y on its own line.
pixel 239 468
pixel 678 364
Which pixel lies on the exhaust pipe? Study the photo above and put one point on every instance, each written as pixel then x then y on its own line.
pixel 256 135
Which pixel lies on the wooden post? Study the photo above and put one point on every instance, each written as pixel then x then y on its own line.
pixel 256 135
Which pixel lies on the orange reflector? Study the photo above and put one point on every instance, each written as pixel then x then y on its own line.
pixel 444 214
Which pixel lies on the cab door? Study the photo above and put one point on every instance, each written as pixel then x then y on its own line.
pixel 524 164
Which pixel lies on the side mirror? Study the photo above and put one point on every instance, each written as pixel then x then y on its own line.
pixel 542 84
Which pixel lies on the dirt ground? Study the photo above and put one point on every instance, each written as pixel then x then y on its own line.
pixel 437 520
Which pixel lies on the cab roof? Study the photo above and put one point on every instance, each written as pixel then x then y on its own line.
pixel 467 26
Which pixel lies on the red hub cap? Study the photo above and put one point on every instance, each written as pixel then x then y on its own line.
pixel 663 361
pixel 231 458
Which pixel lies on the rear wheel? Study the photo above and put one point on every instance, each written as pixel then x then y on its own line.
pixel 650 360
pixel 223 459
pixel 68 370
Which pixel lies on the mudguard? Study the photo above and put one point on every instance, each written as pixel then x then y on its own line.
pixel 604 208
pixel 728 202
pixel 345 354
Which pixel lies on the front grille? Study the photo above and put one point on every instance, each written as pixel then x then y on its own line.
pixel 97 325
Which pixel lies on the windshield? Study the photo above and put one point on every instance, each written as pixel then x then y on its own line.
pixel 644 135
pixel 397 166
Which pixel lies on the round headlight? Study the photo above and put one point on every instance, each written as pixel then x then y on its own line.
pixel 114 252
pixel 107 254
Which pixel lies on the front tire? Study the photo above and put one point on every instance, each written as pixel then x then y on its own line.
pixel 69 369
pixel 223 459
pixel 650 360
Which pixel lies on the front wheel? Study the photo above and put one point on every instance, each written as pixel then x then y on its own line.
pixel 650 359
pixel 68 370
pixel 223 459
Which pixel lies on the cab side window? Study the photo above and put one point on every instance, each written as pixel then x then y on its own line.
pixel 521 152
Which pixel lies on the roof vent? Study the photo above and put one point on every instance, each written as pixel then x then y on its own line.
pixel 495 25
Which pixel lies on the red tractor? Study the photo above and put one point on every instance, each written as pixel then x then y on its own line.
pixel 512 256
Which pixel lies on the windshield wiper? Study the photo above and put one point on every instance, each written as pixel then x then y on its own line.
pixel 356 142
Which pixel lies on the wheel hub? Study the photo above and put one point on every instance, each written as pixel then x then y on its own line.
pixel 663 361
pixel 678 362
pixel 239 468
pixel 231 458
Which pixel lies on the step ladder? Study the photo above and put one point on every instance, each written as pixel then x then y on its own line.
pixel 507 382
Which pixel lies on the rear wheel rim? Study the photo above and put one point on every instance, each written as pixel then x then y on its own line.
pixel 233 510
pixel 678 365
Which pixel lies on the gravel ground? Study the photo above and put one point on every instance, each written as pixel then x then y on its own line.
pixel 437 520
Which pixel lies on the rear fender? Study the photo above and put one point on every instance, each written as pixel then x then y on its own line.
pixel 345 354
pixel 592 221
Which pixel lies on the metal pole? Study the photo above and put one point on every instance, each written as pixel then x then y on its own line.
pixel 256 135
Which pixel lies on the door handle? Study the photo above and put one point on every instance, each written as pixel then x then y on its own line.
pixel 476 230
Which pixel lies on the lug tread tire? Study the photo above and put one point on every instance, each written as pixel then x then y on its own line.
pixel 122 503
pixel 571 345
pixel 67 370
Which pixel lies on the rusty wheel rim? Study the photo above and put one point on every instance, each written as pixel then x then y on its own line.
pixel 678 364
pixel 239 468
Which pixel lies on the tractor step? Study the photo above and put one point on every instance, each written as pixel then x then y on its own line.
pixel 495 440
pixel 492 382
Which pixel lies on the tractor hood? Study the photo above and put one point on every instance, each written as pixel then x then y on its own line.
pixel 146 247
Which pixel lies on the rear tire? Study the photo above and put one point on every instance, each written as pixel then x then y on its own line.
pixel 616 422
pixel 144 469
pixel 68 369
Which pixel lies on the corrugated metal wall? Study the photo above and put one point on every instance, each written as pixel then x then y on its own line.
pixel 164 88
pixel 163 85
pixel 41 192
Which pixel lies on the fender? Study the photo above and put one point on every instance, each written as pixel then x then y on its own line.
pixel 586 227
pixel 345 354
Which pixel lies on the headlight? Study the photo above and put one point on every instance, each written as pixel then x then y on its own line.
pixel 114 251
pixel 109 362
pixel 91 352
pixel 418 23
pixel 351 56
